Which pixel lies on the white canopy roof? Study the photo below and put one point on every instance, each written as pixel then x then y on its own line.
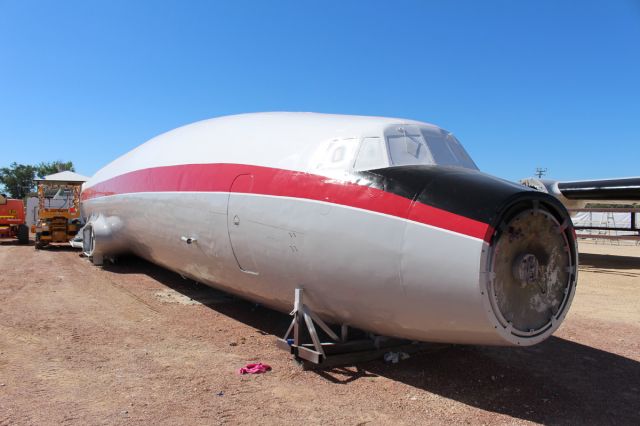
pixel 65 176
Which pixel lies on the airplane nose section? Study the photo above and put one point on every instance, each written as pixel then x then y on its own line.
pixel 531 266
pixel 500 258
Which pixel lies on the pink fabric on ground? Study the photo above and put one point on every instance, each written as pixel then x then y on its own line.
pixel 254 368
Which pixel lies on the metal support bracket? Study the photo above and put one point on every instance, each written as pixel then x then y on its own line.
pixel 340 350
pixel 301 313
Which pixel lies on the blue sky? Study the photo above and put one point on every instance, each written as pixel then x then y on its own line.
pixel 522 84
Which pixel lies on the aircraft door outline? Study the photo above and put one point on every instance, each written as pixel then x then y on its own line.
pixel 238 205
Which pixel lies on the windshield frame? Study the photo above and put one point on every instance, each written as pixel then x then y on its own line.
pixel 420 135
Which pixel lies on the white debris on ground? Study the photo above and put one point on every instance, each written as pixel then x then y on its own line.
pixel 395 357
pixel 172 296
pixel 204 296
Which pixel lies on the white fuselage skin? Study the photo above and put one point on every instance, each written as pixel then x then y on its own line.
pixel 378 272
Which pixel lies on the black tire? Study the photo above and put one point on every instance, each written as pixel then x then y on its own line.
pixel 23 234
pixel 38 245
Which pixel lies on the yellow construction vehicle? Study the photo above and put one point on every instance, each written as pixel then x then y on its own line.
pixel 58 208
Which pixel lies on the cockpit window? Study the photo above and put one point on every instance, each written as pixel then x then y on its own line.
pixel 411 145
pixel 447 151
pixel 371 155
pixel 440 149
pixel 338 155
pixel 406 148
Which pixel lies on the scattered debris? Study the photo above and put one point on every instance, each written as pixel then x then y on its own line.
pixel 395 357
pixel 257 368
pixel 243 340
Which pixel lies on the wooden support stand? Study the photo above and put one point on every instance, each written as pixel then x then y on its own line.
pixel 338 351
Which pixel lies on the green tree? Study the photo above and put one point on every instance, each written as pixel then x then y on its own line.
pixel 18 179
pixel 44 169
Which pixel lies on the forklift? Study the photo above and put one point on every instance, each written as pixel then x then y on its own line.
pixel 58 209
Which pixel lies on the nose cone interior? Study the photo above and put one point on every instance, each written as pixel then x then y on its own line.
pixel 532 271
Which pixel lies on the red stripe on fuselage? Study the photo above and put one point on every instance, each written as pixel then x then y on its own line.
pixel 284 183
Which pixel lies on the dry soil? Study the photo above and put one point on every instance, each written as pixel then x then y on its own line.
pixel 134 343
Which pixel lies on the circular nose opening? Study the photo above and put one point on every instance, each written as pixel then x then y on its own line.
pixel 533 271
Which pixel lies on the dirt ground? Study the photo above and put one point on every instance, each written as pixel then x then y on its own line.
pixel 134 343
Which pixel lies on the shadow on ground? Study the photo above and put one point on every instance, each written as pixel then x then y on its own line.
pixel 610 264
pixel 14 242
pixel 609 261
pixel 265 320
pixel 60 248
pixel 557 381
pixel 51 247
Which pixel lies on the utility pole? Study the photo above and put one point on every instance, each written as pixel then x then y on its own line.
pixel 540 171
